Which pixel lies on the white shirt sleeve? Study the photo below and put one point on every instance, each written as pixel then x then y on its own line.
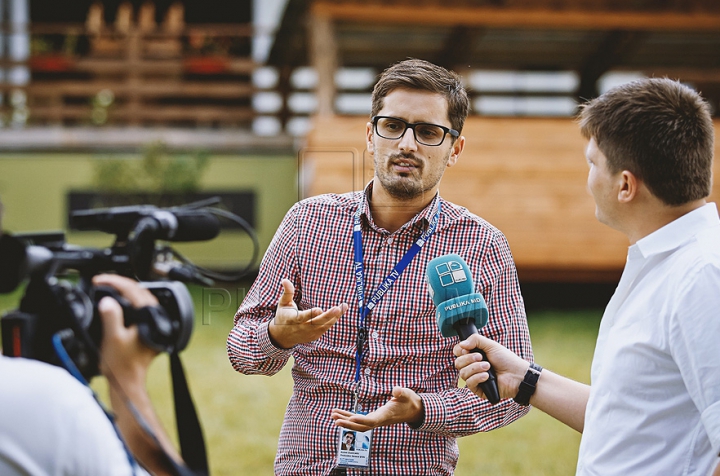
pixel 694 335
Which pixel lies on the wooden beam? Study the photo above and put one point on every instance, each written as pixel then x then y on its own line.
pixel 66 139
pixel 171 88
pixel 447 15
pixel 458 46
pixel 153 113
pixel 690 74
pixel 612 49
pixel 323 54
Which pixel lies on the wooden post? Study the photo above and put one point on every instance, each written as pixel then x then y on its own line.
pixel 134 55
pixel 323 57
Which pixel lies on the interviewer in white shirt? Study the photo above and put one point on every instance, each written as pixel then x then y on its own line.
pixel 654 403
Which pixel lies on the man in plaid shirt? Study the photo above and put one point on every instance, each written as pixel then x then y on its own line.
pixel 402 383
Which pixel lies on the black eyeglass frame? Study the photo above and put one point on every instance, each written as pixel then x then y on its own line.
pixel 411 125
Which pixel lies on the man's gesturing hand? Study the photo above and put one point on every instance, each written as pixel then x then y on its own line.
pixel 291 326
pixel 405 406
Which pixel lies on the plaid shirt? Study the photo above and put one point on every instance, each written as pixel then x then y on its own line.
pixel 313 248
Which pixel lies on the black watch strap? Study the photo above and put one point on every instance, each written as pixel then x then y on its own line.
pixel 527 386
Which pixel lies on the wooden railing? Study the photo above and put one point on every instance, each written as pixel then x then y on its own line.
pixel 198 76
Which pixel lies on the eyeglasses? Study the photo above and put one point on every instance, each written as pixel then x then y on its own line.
pixel 427 134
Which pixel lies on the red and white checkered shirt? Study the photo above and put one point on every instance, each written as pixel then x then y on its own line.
pixel 313 248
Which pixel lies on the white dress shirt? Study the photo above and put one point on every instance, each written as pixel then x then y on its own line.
pixel 654 404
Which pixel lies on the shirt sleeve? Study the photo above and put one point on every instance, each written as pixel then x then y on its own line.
pixel 458 412
pixel 249 347
pixel 693 332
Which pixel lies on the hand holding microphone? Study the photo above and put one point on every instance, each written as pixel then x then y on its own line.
pixel 460 310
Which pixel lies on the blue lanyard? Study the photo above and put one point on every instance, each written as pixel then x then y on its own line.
pixel 386 283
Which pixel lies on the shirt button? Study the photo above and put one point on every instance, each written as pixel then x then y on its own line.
pixel 375 335
pixel 367 371
pixel 389 241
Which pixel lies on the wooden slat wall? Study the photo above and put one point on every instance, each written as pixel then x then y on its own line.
pixel 525 176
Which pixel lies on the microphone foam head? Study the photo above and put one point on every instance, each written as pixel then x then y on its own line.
pixel 196 225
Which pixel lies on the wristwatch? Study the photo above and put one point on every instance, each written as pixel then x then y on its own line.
pixel 527 386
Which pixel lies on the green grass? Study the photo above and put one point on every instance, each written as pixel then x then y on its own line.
pixel 241 415
pixel 537 444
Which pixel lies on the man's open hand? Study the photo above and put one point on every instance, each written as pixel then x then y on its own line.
pixel 291 326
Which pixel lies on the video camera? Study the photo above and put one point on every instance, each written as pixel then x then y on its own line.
pixel 59 307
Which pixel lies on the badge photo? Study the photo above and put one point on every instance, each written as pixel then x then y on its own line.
pixel 353 449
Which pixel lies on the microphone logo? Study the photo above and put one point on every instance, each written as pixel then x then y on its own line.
pixel 450 272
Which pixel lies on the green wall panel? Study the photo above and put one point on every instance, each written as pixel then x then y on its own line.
pixel 33 188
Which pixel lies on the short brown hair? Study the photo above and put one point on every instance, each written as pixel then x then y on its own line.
pixel 658 129
pixel 425 76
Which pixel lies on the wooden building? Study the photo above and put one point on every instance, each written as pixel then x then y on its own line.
pixel 526 175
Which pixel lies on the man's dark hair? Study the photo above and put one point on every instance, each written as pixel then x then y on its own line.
pixel 658 129
pixel 424 76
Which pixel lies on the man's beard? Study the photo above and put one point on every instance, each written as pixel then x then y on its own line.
pixel 406 186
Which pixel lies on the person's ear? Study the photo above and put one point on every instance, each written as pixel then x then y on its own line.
pixel 369 138
pixel 456 150
pixel 629 186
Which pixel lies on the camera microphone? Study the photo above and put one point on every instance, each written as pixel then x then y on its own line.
pixel 460 310
pixel 186 225
pixel 173 224
pixel 18 261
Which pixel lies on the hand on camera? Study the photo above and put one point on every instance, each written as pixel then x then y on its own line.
pixel 121 352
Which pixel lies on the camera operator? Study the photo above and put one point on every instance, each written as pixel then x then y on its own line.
pixel 124 362
pixel 50 423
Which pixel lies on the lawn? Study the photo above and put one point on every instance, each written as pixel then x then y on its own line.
pixel 241 415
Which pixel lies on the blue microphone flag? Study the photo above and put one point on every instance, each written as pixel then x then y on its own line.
pixel 452 290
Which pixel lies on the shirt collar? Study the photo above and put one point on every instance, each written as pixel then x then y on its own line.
pixel 422 219
pixel 677 232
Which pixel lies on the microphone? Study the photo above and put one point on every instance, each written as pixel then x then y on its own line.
pixel 460 310
pixel 177 224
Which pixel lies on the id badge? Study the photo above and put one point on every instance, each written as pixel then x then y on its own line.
pixel 353 449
